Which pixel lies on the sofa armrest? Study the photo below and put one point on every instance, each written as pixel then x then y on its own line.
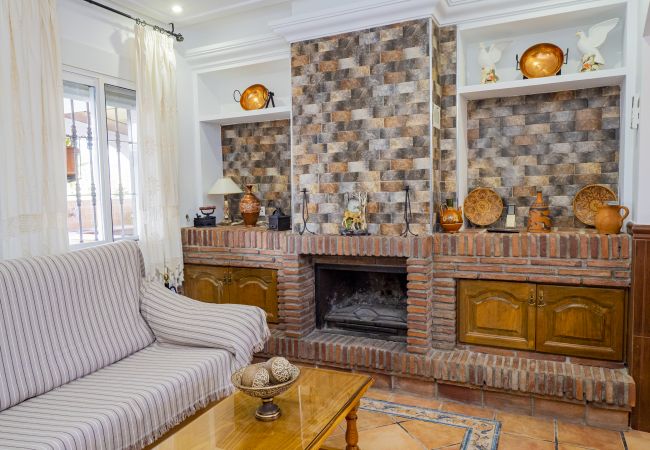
pixel 175 319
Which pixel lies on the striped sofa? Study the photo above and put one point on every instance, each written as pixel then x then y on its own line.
pixel 94 357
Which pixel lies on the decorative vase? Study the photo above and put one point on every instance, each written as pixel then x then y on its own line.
pixel 539 216
pixel 249 207
pixel 609 220
pixel 451 219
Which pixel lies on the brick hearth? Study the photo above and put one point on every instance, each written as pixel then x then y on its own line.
pixel 431 360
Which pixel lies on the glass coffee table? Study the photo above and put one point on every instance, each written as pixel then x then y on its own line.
pixel 310 411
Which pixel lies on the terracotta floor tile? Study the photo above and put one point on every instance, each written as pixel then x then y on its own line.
pixel 390 437
pixel 450 447
pixel 589 437
pixel 532 427
pixel 434 435
pixel 413 400
pixel 637 440
pixel 518 442
pixel 370 419
pixel 468 410
pixel 573 447
pixel 379 394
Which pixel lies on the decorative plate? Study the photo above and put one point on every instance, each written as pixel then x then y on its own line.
pixel 541 60
pixel 589 199
pixel 483 206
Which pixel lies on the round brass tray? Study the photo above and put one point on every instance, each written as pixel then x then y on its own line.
pixel 541 60
pixel 588 200
pixel 254 97
pixel 483 206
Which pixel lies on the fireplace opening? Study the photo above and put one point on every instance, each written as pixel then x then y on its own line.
pixel 364 300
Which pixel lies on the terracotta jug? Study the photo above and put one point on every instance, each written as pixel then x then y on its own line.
pixel 451 219
pixel 249 207
pixel 539 216
pixel 608 218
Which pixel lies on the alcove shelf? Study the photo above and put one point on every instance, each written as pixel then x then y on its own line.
pixel 242 116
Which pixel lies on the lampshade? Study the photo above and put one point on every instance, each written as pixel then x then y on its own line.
pixel 225 186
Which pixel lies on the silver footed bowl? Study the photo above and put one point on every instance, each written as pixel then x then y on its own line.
pixel 266 391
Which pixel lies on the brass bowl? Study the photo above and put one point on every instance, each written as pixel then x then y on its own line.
pixel 541 60
pixel 254 97
pixel 268 411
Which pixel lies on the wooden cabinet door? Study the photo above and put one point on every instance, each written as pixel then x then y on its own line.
pixel 257 287
pixel 206 283
pixel 497 313
pixel 581 321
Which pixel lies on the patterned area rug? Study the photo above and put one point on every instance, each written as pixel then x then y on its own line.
pixel 480 434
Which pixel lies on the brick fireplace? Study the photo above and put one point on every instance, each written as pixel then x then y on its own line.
pixel 431 361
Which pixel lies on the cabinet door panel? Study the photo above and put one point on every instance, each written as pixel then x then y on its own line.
pixel 497 313
pixel 206 283
pixel 581 321
pixel 257 287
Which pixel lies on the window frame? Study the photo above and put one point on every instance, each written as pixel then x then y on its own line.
pixel 99 81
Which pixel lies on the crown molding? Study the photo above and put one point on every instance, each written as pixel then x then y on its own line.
pixel 353 17
pixel 238 52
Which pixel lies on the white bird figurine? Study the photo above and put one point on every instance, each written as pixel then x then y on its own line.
pixel 588 45
pixel 488 58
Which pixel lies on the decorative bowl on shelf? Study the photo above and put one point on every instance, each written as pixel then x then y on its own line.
pixel 268 411
pixel 254 97
pixel 541 60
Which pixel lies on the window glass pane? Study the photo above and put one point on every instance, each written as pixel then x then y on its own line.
pixel 121 125
pixel 84 206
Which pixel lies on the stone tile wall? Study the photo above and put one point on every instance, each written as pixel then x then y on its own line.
pixel 361 122
pixel 259 154
pixel 558 142
pixel 447 70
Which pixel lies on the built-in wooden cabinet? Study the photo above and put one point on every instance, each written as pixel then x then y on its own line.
pixel 243 285
pixel 576 321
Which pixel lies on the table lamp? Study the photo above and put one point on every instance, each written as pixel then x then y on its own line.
pixel 225 186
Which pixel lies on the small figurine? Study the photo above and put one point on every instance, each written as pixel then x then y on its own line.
pixel 487 59
pixel 592 59
pixel 354 216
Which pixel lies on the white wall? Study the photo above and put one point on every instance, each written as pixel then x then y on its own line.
pixel 102 42
pixel 642 188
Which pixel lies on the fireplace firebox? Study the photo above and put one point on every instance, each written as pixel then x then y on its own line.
pixel 364 300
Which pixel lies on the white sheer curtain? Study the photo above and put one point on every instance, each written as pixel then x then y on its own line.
pixel 32 134
pixel 159 228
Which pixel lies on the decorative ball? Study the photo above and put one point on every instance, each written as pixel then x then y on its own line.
pixel 280 369
pixel 255 376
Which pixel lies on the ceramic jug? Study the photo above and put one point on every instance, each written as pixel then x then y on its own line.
pixel 249 207
pixel 451 219
pixel 608 218
pixel 539 216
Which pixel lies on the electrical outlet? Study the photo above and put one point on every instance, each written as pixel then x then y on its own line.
pixel 262 211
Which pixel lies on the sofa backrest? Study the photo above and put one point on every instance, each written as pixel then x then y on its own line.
pixel 65 316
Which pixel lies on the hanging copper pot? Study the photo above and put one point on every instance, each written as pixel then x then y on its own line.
pixel 256 96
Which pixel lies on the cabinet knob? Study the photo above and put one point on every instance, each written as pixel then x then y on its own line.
pixel 531 298
pixel 540 299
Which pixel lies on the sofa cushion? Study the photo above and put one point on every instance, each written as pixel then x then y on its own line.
pixel 125 405
pixel 66 316
pixel 175 319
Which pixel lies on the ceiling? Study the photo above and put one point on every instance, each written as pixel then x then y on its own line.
pixel 194 11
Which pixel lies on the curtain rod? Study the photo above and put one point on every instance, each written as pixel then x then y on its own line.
pixel 179 37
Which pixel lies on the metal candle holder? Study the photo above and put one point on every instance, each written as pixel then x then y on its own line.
pixel 305 214
pixel 407 212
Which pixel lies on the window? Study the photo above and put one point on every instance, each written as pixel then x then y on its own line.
pixel 101 160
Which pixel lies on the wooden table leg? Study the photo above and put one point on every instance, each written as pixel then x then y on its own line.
pixel 351 433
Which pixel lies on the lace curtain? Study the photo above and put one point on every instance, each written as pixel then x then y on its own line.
pixel 32 134
pixel 159 227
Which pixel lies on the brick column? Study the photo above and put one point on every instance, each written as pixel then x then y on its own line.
pixel 639 325
pixel 419 304
pixel 296 303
